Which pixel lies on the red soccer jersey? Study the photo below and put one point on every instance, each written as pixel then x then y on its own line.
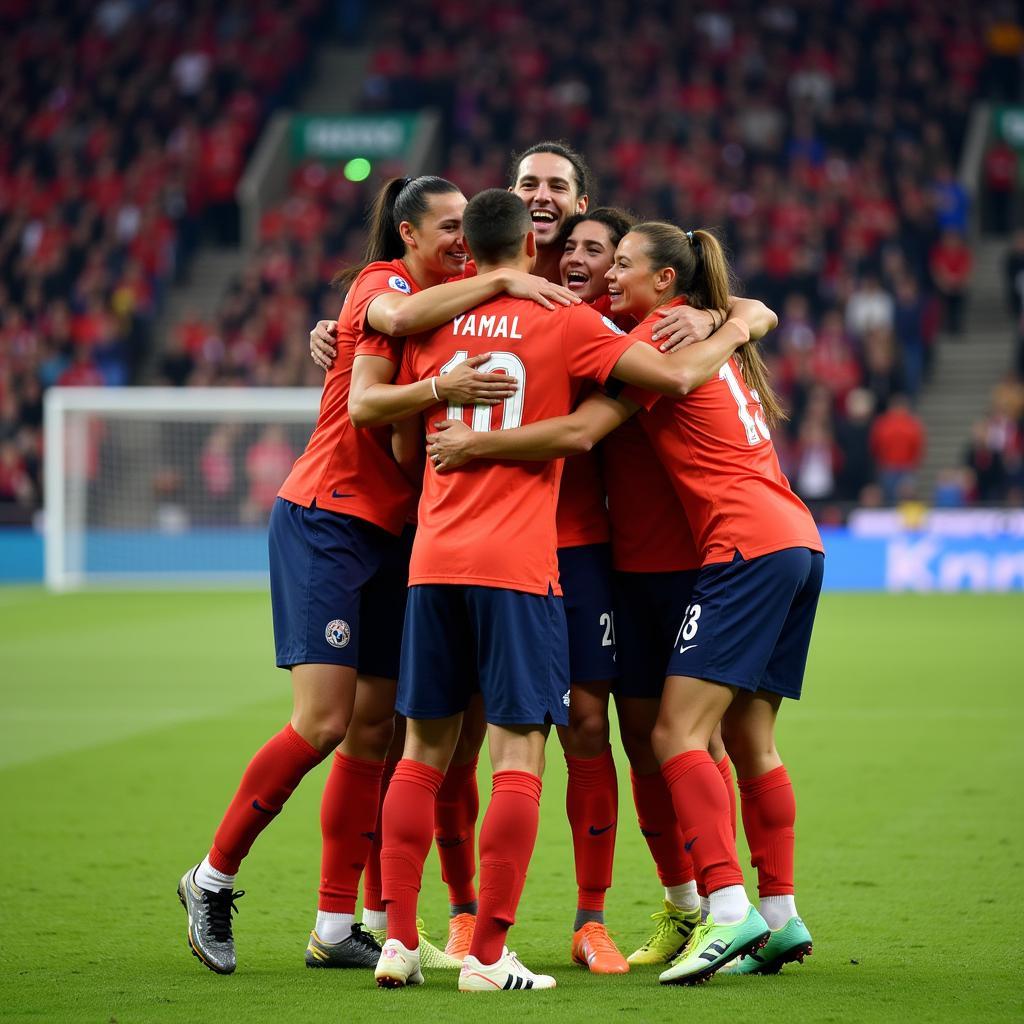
pixel 344 469
pixel 582 517
pixel 649 528
pixel 492 523
pixel 582 513
pixel 719 456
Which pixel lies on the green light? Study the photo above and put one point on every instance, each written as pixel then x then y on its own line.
pixel 357 169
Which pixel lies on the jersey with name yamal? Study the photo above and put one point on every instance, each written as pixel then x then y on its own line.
pixel 492 522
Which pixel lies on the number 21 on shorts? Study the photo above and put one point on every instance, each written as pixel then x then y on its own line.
pixel 688 628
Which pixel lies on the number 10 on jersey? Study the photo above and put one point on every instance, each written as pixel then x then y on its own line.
pixel 511 408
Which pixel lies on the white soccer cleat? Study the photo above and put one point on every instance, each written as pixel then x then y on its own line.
pixel 509 974
pixel 398 966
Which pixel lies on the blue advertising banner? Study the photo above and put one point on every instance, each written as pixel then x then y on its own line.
pixel 863 560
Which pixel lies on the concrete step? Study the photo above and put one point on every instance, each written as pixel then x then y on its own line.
pixel 967 367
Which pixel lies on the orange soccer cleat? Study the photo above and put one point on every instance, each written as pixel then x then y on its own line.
pixel 460 935
pixel 592 947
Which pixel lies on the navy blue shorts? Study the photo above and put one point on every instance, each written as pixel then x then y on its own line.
pixel 749 624
pixel 585 575
pixel 510 646
pixel 648 609
pixel 338 588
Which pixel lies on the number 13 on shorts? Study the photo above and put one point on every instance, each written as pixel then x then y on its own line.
pixel 688 628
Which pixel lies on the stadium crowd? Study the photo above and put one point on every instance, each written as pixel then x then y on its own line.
pixel 819 139
pixel 125 128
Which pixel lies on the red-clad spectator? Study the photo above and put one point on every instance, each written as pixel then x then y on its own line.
pixel 898 446
pixel 15 481
pixel 82 373
pixel 266 465
pixel 1000 183
pixel 833 362
pixel 951 263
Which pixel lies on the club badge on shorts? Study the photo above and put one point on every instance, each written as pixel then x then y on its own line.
pixel 338 633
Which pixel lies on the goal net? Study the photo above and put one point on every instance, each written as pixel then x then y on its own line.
pixel 147 486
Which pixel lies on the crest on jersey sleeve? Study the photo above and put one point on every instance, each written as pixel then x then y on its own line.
pixel 613 325
pixel 399 284
pixel 338 633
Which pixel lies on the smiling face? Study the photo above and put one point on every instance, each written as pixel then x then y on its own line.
pixel 588 255
pixel 437 243
pixel 635 287
pixel 546 183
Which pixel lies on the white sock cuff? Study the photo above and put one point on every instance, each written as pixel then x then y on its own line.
pixel 209 878
pixel 375 920
pixel 683 896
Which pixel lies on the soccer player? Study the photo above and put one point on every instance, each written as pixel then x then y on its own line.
pixel 484 598
pixel 337 557
pixel 643 512
pixel 743 640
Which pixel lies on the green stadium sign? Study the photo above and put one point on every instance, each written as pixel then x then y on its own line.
pixel 1008 124
pixel 383 137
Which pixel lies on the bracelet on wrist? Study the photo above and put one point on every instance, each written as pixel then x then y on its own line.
pixel 433 387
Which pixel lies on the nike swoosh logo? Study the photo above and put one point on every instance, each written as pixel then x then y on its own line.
pixel 683 650
pixel 369 835
pixel 687 846
pixel 257 806
pixel 446 843
pixel 649 835
pixel 601 831
pixel 338 494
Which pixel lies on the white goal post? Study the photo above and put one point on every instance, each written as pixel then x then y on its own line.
pixel 166 485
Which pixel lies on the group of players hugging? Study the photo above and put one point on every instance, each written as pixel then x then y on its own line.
pixel 667 563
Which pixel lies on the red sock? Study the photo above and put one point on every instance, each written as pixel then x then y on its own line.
pixel 348 822
pixel 371 876
pixel 769 813
pixel 657 819
pixel 592 805
pixel 272 775
pixel 507 838
pixel 408 826
pixel 702 808
pixel 455 814
pixel 725 770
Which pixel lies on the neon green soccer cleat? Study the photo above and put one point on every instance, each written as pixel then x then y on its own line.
pixel 791 942
pixel 674 928
pixel 431 956
pixel 712 946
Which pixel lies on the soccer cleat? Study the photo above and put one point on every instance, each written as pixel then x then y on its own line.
pixel 509 974
pixel 398 966
pixel 791 942
pixel 360 949
pixel 592 947
pixel 430 956
pixel 460 935
pixel 209 922
pixel 674 928
pixel 712 946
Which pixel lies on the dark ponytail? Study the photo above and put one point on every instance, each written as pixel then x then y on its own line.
pixel 703 275
pixel 399 199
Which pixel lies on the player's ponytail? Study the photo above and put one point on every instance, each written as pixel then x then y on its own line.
pixel 703 275
pixel 399 199
pixel 755 376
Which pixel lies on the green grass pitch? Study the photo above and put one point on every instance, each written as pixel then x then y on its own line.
pixel 126 719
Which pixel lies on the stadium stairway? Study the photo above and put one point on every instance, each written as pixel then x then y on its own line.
pixel 332 89
pixel 967 366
